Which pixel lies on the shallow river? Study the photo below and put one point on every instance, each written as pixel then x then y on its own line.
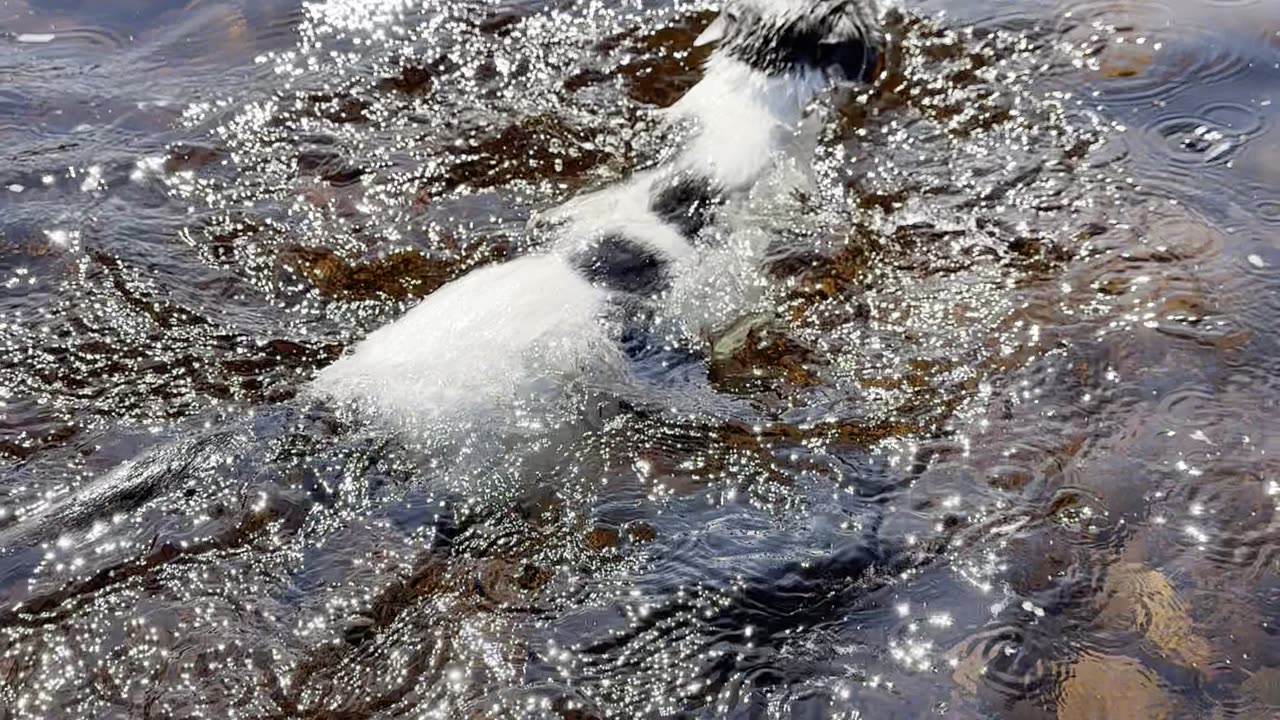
pixel 994 434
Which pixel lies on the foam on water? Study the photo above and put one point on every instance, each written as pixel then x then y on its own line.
pixel 722 283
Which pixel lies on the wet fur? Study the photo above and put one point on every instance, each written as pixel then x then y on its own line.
pixel 537 319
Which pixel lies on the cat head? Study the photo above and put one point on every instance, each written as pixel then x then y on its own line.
pixel 842 39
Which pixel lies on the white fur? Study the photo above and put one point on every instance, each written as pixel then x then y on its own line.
pixel 744 119
pixel 621 209
pixel 478 343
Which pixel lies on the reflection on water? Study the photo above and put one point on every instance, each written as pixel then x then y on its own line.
pixel 996 440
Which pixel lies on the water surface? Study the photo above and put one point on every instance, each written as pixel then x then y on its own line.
pixel 994 438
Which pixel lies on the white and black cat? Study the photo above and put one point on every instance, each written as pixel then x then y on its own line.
pixel 491 334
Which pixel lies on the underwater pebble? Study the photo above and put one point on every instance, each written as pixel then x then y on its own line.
pixel 1257 261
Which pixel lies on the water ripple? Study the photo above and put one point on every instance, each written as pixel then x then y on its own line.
pixel 995 440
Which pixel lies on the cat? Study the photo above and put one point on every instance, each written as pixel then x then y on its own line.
pixel 526 325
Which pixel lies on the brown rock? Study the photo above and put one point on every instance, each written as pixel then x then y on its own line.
pixel 641 532
pixel 1104 687
pixel 602 539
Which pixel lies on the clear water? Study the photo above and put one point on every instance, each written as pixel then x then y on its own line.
pixel 997 440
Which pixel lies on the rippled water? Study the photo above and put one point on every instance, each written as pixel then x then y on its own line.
pixel 996 436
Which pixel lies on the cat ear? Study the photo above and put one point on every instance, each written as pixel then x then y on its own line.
pixel 714 32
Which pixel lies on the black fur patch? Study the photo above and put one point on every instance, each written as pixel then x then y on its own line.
pixel 819 40
pixel 623 265
pixel 686 202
